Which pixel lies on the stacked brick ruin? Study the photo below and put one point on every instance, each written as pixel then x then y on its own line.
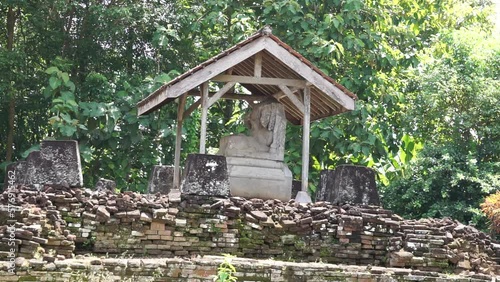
pixel 57 222
pixel 204 269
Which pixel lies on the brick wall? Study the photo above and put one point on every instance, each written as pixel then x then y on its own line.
pixel 205 270
pixel 57 223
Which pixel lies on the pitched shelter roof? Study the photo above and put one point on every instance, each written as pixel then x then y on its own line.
pixel 267 67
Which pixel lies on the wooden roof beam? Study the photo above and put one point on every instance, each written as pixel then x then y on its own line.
pixel 220 93
pixel 207 72
pixel 260 80
pixel 280 94
pixel 309 74
pixel 232 96
pixel 191 108
pixel 296 102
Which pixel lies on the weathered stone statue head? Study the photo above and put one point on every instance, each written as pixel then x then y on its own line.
pixel 267 124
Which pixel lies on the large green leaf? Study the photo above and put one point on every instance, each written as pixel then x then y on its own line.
pixel 54 82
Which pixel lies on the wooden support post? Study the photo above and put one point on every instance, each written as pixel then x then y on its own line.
pixel 257 69
pixel 204 112
pixel 178 140
pixel 306 124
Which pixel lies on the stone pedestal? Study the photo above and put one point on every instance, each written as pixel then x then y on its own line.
pixel 57 162
pixel 205 175
pixel 348 184
pixel 258 178
pixel 255 162
pixel 161 179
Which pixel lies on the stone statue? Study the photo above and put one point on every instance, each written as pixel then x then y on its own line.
pixel 267 124
pixel 255 162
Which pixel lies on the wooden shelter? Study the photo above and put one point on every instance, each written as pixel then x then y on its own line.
pixel 266 67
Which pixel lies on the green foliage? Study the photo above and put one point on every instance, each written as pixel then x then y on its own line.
pixel 100 63
pixel 443 182
pixel 453 108
pixel 226 270
pixel 64 107
pixel 459 94
pixel 367 47
pixel 118 144
pixel 422 86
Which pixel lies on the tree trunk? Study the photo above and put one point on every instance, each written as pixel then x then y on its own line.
pixel 11 22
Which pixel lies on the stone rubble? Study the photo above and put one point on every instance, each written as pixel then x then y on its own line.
pixel 58 222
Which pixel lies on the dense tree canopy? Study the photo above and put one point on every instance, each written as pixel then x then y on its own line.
pixel 426 120
pixel 454 108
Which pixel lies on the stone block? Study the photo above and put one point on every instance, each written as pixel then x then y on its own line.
pixel 161 179
pixel 155 225
pixel 206 175
pixel 102 215
pixel 348 184
pixel 57 162
pixel 351 223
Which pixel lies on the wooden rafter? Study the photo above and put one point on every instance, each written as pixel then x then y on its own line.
pixel 220 93
pixel 191 108
pixel 233 96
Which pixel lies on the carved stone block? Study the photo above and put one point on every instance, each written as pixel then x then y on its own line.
pixel 206 175
pixel 348 184
pixel 161 179
pixel 16 174
pixel 57 162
